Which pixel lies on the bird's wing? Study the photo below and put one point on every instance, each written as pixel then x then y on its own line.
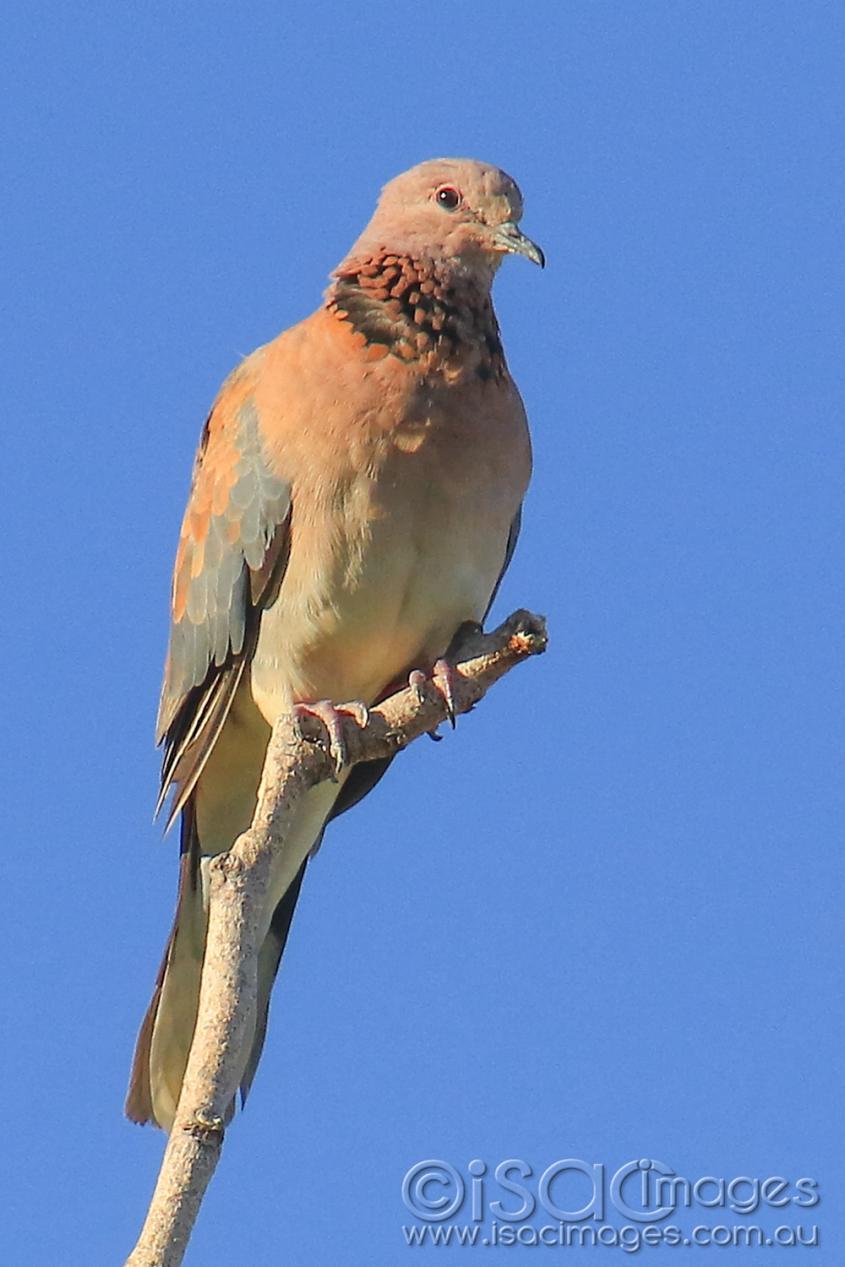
pixel 513 537
pixel 232 553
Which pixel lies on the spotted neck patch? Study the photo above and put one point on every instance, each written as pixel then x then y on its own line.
pixel 403 306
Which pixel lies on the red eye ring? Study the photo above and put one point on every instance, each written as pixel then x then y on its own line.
pixel 448 197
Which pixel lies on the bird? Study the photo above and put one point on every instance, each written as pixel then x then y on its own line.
pixel 355 500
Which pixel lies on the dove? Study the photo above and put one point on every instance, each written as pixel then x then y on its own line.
pixel 356 499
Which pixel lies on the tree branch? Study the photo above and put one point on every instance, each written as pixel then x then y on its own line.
pixel 297 759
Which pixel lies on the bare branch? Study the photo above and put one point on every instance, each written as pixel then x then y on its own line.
pixel 297 759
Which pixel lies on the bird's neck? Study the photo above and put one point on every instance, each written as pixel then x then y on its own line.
pixel 419 311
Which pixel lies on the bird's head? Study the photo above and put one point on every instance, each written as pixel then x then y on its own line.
pixel 455 211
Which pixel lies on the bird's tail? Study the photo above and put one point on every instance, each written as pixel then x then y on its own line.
pixel 167 1030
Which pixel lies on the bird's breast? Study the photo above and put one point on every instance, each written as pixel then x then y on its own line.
pixel 402 544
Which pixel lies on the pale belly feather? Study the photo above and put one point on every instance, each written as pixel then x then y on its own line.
pixel 414 559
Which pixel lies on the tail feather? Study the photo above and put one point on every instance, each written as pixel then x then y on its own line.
pixel 166 1034
pixel 139 1105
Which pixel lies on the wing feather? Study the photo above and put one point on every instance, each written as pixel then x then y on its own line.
pixel 233 550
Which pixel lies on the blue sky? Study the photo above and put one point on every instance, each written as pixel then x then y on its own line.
pixel 602 921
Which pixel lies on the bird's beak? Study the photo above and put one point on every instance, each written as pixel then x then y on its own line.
pixel 509 237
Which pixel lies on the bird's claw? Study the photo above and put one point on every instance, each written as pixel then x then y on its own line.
pixel 416 681
pixel 443 678
pixel 331 717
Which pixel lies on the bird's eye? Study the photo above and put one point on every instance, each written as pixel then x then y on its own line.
pixel 448 197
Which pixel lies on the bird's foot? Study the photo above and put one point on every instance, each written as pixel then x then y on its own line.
pixel 444 679
pixel 331 716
